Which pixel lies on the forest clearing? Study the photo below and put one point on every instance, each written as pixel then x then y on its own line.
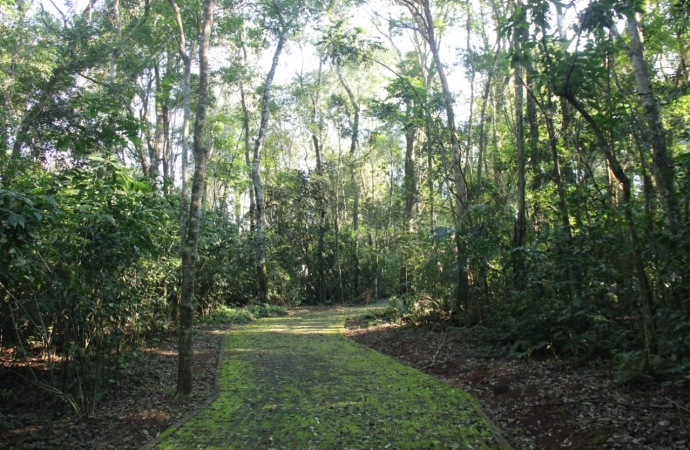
pixel 512 176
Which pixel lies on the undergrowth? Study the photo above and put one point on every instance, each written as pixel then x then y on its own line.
pixel 228 315
pixel 580 337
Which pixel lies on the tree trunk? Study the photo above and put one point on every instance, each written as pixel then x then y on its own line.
pixel 321 195
pixel 256 177
pixel 355 186
pixel 430 180
pixel 247 147
pixel 646 296
pixel 156 144
pixel 118 33
pixel 187 88
pixel 665 174
pixel 426 21
pixel 410 188
pixel 189 251
pixel 482 122
pixel 473 72
pixel 410 181
pixel 520 231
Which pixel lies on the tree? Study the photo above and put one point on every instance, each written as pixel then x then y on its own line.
pixel 424 20
pixel 189 251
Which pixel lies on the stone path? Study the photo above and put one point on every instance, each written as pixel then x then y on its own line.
pixel 296 382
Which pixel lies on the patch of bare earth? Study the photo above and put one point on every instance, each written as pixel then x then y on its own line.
pixel 541 404
pixel 135 410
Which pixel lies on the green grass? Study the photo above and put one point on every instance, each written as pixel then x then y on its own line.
pixel 297 383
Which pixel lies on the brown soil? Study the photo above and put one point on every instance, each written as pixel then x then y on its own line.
pixel 140 407
pixel 542 404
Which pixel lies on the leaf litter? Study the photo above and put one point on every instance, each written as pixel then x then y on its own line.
pixel 541 403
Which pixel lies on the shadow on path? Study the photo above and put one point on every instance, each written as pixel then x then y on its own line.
pixel 296 382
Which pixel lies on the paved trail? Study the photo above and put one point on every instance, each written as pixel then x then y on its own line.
pixel 296 382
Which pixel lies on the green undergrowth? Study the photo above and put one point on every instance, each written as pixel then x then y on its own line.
pixel 297 383
pixel 409 310
pixel 227 315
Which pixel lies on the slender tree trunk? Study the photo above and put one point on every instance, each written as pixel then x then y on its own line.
pixel 256 177
pixel 410 187
pixel 336 228
pixel 574 270
pixel 430 180
pixel 410 180
pixel 426 21
pixel 355 186
pixel 167 153
pixel 470 66
pixel 187 89
pixel 189 252
pixel 321 195
pixel 482 120
pixel 665 174
pixel 520 232
pixel 247 152
pixel 646 295
pixel 118 30
pixel 247 146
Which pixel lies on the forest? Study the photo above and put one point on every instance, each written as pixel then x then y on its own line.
pixel 518 167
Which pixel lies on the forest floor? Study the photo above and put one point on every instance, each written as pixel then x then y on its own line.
pixel 540 404
pixel 537 404
pixel 133 411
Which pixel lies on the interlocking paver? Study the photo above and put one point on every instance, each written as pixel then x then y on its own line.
pixel 296 382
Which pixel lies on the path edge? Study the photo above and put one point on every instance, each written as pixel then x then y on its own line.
pixel 214 396
pixel 493 429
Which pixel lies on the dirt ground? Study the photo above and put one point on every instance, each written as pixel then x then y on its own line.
pixel 127 417
pixel 542 404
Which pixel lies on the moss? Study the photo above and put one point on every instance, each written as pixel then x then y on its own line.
pixel 296 382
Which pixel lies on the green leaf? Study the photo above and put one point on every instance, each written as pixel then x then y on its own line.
pixel 15 220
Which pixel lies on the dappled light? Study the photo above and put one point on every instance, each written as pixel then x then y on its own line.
pixel 520 169
pixel 305 386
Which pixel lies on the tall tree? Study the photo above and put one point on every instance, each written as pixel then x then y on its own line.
pixel 520 35
pixel 665 173
pixel 189 252
pixel 262 275
pixel 424 19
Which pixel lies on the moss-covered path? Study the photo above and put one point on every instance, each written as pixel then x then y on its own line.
pixel 296 382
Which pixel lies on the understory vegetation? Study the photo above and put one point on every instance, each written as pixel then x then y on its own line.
pixel 522 167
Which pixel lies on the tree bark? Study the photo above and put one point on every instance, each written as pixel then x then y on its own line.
pixel 189 251
pixel 256 177
pixel 187 89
